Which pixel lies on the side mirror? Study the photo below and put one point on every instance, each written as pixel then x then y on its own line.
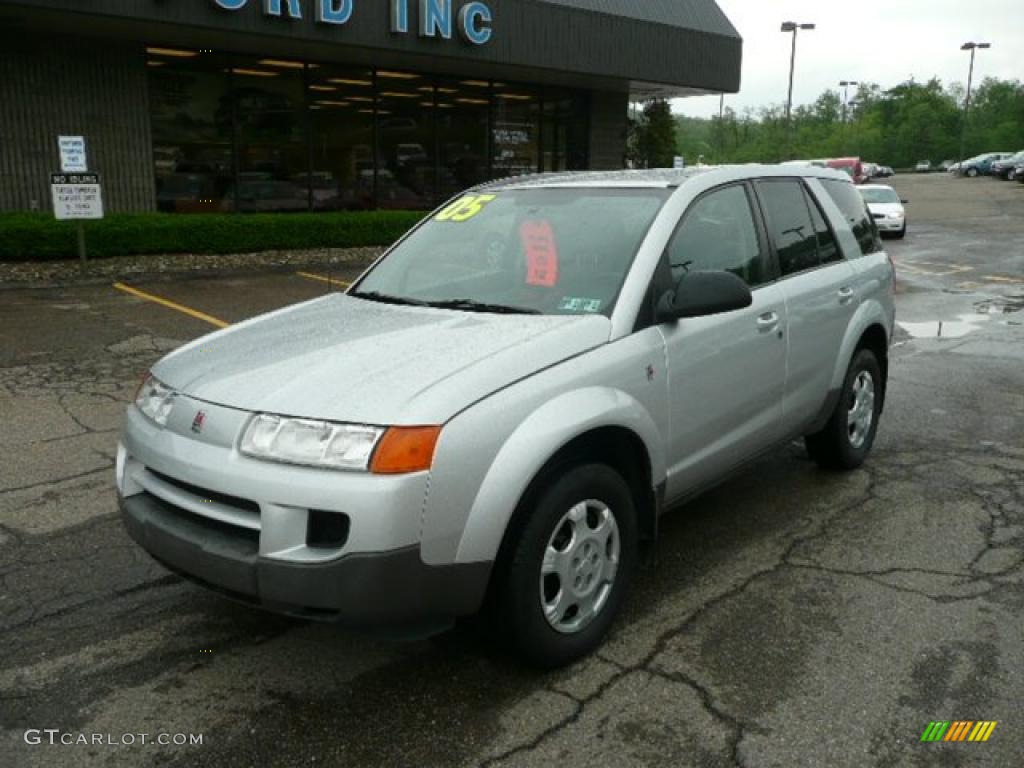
pixel 699 294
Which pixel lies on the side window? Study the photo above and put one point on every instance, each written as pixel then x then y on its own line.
pixel 718 234
pixel 789 225
pixel 828 248
pixel 848 200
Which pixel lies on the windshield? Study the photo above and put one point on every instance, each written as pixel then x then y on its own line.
pixel 879 195
pixel 535 251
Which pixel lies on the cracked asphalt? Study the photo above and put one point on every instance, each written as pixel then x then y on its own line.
pixel 793 617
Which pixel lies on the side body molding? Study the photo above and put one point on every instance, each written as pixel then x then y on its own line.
pixel 541 435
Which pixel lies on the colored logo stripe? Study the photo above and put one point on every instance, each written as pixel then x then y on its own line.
pixel 982 731
pixel 959 730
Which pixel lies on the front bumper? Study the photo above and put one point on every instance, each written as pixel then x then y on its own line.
pixel 327 544
pixel 890 225
pixel 367 589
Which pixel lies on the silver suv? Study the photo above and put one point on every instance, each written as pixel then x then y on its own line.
pixel 497 412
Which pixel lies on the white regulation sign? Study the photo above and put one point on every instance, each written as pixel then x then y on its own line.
pixel 77 195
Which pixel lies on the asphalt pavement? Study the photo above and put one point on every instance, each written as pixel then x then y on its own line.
pixel 793 617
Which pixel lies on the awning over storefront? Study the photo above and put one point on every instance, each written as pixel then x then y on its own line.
pixel 648 47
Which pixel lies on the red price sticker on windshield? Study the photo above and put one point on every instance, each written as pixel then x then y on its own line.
pixel 465 208
pixel 538 240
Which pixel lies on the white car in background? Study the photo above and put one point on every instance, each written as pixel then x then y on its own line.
pixel 886 208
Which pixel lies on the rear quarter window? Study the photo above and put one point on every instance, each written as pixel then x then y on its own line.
pixel 855 211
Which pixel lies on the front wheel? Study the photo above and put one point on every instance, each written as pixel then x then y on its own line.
pixel 846 440
pixel 972 172
pixel 570 568
pixel 902 233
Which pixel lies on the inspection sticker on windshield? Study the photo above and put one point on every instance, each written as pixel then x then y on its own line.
pixel 577 304
pixel 465 208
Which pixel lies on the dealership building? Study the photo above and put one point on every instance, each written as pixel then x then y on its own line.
pixel 295 105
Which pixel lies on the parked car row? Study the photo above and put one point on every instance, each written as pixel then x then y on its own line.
pixel 981 165
pixel 858 170
pixel 1010 168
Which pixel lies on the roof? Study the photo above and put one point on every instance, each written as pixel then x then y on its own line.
pixel 701 15
pixel 657 177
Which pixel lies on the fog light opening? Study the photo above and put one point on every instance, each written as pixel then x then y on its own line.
pixel 326 530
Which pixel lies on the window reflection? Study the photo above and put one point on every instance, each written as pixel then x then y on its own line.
pixel 516 131
pixel 192 134
pixel 341 116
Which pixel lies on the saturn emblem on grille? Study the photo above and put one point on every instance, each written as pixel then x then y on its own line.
pixel 199 422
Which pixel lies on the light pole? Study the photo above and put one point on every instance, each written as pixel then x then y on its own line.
pixel 793 27
pixel 721 127
pixel 972 47
pixel 845 85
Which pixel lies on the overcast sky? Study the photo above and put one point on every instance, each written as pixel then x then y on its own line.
pixel 882 41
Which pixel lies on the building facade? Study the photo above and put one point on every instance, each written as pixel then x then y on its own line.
pixel 296 105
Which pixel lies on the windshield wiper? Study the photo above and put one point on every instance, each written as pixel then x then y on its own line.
pixel 471 305
pixel 384 298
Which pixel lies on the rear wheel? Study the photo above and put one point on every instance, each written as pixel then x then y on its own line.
pixel 846 440
pixel 570 568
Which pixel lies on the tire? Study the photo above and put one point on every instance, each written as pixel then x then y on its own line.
pixel 1012 175
pixel 590 499
pixel 972 172
pixel 846 441
pixel 902 233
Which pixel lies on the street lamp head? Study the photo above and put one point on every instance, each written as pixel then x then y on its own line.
pixel 788 26
pixel 984 45
pixel 808 26
pixel 969 46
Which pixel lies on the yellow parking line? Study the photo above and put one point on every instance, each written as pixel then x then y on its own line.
pixel 216 321
pixel 323 279
pixel 1001 279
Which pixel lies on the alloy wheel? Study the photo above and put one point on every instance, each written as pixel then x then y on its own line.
pixel 579 567
pixel 862 409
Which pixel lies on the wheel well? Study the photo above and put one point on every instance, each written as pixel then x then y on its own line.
pixel 875 339
pixel 619 448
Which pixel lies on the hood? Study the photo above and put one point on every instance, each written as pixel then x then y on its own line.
pixel 350 360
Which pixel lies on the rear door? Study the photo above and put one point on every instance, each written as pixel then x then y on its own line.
pixel 820 294
pixel 726 372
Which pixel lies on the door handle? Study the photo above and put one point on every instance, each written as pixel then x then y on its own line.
pixel 846 295
pixel 768 322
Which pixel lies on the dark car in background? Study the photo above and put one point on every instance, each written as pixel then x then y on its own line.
pixel 1018 172
pixel 1007 167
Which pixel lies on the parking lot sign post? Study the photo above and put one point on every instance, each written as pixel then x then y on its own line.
pixel 77 197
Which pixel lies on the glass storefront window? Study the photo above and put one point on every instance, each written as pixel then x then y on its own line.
pixel 406 141
pixel 515 130
pixel 564 131
pixel 341 114
pixel 192 132
pixel 270 115
pixel 463 114
pixel 249 134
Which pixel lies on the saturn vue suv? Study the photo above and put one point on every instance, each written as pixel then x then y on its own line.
pixel 494 416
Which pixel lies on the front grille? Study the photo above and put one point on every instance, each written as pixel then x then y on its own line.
pixel 208 495
pixel 246 537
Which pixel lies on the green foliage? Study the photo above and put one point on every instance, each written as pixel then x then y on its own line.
pixel 38 237
pixel 899 127
pixel 651 141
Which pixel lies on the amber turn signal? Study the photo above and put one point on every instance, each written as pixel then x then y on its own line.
pixel 405 449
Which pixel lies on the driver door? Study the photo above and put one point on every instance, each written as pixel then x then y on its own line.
pixel 726 373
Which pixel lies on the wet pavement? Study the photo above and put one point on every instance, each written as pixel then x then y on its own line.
pixel 793 617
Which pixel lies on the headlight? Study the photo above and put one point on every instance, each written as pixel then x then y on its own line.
pixel 897 215
pixel 155 399
pixel 308 442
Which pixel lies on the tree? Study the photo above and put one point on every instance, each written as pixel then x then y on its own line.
pixel 658 135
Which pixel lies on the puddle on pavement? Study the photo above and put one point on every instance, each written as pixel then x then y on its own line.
pixel 1004 305
pixel 987 311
